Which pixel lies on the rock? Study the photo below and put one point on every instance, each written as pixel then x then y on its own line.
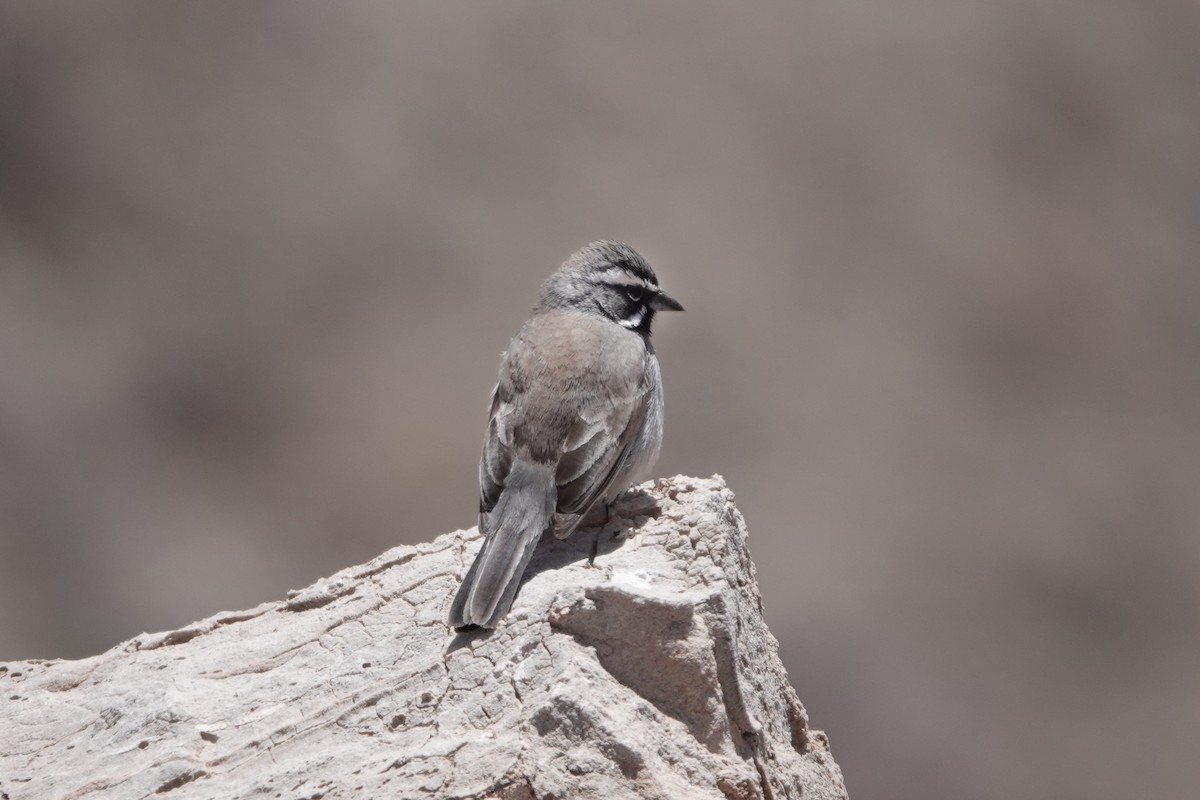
pixel 649 673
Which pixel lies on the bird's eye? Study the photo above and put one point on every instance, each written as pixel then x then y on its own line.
pixel 634 293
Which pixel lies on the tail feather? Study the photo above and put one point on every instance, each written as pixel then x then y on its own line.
pixel 522 513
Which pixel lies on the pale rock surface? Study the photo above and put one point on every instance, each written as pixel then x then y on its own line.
pixel 650 674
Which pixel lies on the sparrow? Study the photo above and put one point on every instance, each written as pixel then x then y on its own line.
pixel 576 418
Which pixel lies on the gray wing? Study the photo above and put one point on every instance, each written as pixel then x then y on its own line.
pixel 598 440
pixel 497 457
pixel 598 446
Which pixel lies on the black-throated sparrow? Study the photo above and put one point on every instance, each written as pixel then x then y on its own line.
pixel 576 417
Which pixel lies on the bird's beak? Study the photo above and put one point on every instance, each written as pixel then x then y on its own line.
pixel 664 302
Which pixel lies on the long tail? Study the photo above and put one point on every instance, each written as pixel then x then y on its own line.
pixel 514 526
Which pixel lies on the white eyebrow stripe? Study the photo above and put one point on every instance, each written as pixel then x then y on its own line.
pixel 616 276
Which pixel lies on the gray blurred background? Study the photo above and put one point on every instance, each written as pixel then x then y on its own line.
pixel 942 270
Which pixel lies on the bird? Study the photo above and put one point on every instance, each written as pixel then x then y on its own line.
pixel 576 418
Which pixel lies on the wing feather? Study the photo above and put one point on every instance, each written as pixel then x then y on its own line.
pixel 586 474
pixel 585 429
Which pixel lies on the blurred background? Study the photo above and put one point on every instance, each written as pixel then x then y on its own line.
pixel 942 269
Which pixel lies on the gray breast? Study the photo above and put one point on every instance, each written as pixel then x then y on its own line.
pixel 643 452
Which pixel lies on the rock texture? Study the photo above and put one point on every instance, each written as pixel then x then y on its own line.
pixel 635 663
